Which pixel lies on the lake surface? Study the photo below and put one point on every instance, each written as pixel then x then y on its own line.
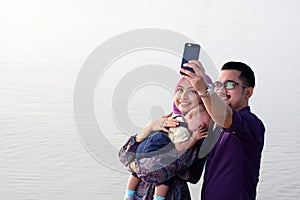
pixel 44 152
pixel 44 157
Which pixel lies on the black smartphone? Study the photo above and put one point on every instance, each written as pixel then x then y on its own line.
pixel 191 52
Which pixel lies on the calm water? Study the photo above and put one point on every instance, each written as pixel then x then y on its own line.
pixel 43 157
pixel 42 153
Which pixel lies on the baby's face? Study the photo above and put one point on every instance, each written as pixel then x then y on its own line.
pixel 197 118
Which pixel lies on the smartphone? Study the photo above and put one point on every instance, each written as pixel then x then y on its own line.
pixel 191 52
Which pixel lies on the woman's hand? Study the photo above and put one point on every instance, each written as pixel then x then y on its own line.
pixel 132 166
pixel 162 123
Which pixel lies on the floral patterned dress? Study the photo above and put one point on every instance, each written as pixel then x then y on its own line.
pixel 180 167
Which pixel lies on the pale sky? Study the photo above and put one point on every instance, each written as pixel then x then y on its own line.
pixel 61 31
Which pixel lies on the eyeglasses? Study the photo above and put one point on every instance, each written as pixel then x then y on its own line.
pixel 228 85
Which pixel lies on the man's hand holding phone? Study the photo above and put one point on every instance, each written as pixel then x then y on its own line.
pixel 196 78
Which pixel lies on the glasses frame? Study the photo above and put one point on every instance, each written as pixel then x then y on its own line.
pixel 226 82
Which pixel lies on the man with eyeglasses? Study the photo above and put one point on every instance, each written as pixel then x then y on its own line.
pixel 232 168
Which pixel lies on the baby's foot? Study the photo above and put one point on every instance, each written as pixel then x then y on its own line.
pixel 128 198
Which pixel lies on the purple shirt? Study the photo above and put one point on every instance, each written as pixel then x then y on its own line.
pixel 232 167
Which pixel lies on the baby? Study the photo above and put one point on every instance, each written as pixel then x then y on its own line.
pixel 193 127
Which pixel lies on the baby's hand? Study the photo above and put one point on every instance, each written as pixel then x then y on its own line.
pixel 200 133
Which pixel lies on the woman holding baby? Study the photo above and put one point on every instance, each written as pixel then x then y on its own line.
pixel 164 155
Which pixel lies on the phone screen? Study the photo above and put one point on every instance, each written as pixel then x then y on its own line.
pixel 191 52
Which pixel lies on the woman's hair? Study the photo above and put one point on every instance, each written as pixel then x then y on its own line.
pixel 175 109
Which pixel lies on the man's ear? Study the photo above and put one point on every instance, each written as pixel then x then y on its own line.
pixel 248 92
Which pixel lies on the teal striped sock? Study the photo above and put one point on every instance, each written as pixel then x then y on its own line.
pixel 129 193
pixel 156 197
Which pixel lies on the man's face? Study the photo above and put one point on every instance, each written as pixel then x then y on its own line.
pixel 237 97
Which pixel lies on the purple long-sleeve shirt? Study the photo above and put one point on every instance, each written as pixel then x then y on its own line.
pixel 232 168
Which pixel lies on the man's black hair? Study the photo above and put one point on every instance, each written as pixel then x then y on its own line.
pixel 247 75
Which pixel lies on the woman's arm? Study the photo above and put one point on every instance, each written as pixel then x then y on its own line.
pixel 157 125
pixel 160 168
pixel 127 151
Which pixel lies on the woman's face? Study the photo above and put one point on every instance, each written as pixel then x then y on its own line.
pixel 185 97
